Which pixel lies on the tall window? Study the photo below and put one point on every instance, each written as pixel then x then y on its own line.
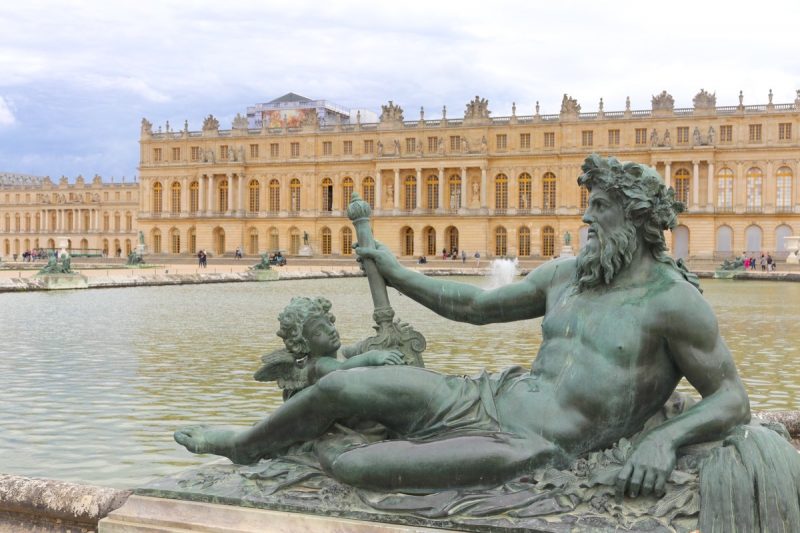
pixel 295 149
pixel 223 196
pixel 327 194
pixel 500 241
pixel 274 195
pixel 174 241
pixel 784 131
pixel 549 191
pixel 501 191
pixel 455 143
pixel 587 138
pixel 128 222
pixel 411 145
pixel 411 193
pixel 754 179
pixel 368 191
pixel 224 152
pixel 369 146
pixel 451 238
pixel 252 247
pixel 274 240
pixel 274 150
pixel 176 154
pixel 347 191
pixel 347 147
pixel 682 186
pixel 613 137
pixel 725 188
pixel 524 191
pixel 254 204
pixel 432 192
pixel 548 241
pixel 783 191
pixel 294 241
pixel 549 139
pixel 641 136
pixel 454 185
pixel 347 241
pixel 433 144
pixel 326 241
pixel 175 199
pixel 327 148
pixel 408 241
pixel 156 154
pixel 195 152
pixel 524 141
pixel 755 133
pixel 254 151
pixel 726 134
pixel 683 135
pixel 156 241
pixel 430 241
pixel 194 196
pixel 158 191
pixel 524 237
pixel 502 141
pixel 294 193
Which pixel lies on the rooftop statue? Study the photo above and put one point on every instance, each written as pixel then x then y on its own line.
pixel 663 102
pixel 210 123
pixel 478 108
pixel 391 112
pixel 570 105
pixel 623 324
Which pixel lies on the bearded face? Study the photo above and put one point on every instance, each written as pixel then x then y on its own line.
pixel 607 251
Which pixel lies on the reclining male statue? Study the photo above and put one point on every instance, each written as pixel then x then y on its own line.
pixel 623 323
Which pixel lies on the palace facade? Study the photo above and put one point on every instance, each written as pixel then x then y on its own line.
pixel 89 218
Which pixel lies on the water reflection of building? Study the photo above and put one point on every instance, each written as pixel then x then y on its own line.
pixel 86 217
pixel 502 185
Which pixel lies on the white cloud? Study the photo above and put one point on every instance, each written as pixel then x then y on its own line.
pixel 6 114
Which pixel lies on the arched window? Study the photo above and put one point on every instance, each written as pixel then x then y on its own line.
pixel 175 241
pixel 368 191
pixel 219 241
pixel 347 241
pixel 156 240
pixel 432 192
pixel 158 191
pixel 194 196
pixel 84 245
pixel 347 192
pixel 754 181
pixel 430 241
pixel 274 239
pixel 781 232
pixel 70 221
pixel 549 192
pixel 584 198
pixel 524 181
pixel 682 185
pixel 116 222
pixel 524 238
pixel 783 189
pixel 411 194
pixel 192 237
pixel 128 247
pixel 106 222
pixel 501 191
pixel 294 241
pixel 451 238
pixel 28 221
pixel 326 241
pixel 8 223
pixel 252 242
pixel 254 205
pixel 128 221
pixel 725 189
pixel 408 241
pixel 175 197
pixel 327 194
pixel 294 190
pixel 454 185
pixel 274 195
pixel 223 196
pixel 105 247
pixel 680 242
pixel 548 241
pixel 753 238
pixel 18 227
pixel 500 241
pixel 724 239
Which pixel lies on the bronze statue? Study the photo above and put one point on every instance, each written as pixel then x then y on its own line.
pixel 623 323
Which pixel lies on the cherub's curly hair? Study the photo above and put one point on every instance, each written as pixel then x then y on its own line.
pixel 293 318
pixel 647 202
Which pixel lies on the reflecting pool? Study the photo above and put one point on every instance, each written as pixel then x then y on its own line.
pixel 93 383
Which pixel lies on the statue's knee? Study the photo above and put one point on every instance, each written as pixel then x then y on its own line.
pixel 352 469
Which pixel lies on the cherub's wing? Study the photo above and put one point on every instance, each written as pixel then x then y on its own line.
pixel 282 367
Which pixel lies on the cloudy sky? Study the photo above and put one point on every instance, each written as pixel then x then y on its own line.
pixel 77 77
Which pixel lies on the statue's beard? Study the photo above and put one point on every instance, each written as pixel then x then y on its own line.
pixel 602 258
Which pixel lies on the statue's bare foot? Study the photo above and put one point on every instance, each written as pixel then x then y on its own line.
pixel 203 439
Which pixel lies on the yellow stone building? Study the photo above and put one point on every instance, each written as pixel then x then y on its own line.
pixel 88 218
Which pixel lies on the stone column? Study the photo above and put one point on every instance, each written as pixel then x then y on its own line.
pixel 43 218
pixel 695 183
pixel 710 185
pixel 739 187
pixel 396 198
pixel 201 194
pixel 185 192
pixel 668 174
pixel 442 188
pixel 483 187
pixel 242 185
pixel 420 188
pixel 379 190
pixel 464 196
pixel 796 186
pixel 210 195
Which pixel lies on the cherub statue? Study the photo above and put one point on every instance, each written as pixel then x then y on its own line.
pixel 311 347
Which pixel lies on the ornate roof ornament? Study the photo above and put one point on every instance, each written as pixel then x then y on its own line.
pixel 210 123
pixel 391 113
pixel 570 106
pixel 147 127
pixel 477 109
pixel 705 100
pixel 663 102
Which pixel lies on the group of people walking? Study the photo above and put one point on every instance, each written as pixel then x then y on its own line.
pixel 766 262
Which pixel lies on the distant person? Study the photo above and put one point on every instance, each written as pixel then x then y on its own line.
pixel 477 259
pixel 763 263
pixel 770 263
pixel 463 256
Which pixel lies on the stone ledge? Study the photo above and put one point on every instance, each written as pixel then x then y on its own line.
pixel 144 514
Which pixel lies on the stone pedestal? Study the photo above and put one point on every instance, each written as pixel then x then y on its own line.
pixel 63 281
pixel 305 251
pixel 566 251
pixel 266 275
pixel 143 514
pixel 793 247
